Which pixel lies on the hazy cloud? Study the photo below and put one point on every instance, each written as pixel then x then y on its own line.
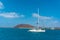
pixel 11 15
pixel 47 21
pixel 40 17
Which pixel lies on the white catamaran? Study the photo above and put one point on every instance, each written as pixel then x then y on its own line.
pixel 38 29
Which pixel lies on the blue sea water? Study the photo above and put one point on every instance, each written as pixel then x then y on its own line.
pixel 23 34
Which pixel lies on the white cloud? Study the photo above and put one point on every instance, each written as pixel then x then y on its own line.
pixel 41 17
pixel 1 5
pixel 10 15
pixel 55 22
pixel 52 23
pixel 47 21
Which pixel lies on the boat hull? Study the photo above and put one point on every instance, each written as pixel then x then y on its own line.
pixel 39 30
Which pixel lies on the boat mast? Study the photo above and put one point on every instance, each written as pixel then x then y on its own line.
pixel 38 18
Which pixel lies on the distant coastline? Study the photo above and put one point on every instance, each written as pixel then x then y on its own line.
pixel 28 26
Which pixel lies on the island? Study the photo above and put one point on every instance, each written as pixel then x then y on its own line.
pixel 24 26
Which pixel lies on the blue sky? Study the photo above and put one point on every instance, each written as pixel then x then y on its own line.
pixel 13 12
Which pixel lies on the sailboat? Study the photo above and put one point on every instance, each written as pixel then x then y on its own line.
pixel 37 29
